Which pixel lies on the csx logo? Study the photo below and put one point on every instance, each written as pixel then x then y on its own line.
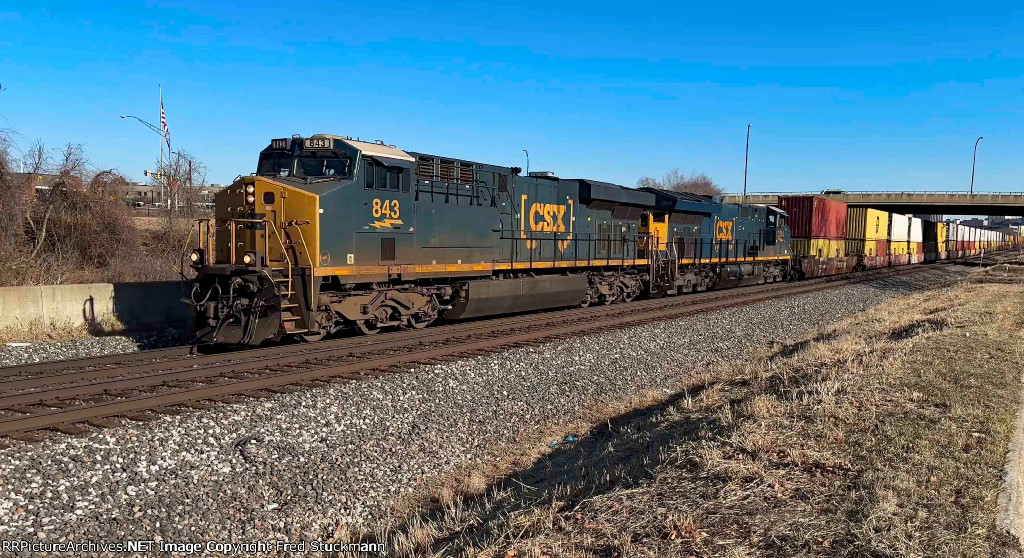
pixel 723 230
pixel 547 218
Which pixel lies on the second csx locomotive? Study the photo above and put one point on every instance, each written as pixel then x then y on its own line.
pixel 333 233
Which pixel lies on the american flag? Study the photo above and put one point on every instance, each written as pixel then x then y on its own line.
pixel 163 123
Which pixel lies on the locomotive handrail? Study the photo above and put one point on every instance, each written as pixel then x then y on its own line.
pixel 595 242
pixel 266 244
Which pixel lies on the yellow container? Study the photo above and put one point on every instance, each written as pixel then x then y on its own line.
pixel 819 247
pixel 872 248
pixel 898 248
pixel 864 223
pixel 941 230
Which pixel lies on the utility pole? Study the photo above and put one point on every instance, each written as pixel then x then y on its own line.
pixel 746 161
pixel 975 161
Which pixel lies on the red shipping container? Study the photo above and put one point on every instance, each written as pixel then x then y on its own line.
pixel 814 217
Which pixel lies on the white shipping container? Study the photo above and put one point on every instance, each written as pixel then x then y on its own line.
pixel 961 232
pixel 900 228
pixel 916 230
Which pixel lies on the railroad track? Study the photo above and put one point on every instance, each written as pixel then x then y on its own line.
pixel 71 396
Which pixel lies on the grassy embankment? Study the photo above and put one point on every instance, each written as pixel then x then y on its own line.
pixel 884 435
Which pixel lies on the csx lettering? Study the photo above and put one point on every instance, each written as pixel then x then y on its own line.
pixel 724 230
pixel 547 217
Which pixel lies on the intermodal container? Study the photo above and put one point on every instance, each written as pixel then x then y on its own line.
pixel 865 223
pixel 900 229
pixel 819 247
pixel 869 253
pixel 814 217
pixel 916 230
pixel 951 238
pixel 941 246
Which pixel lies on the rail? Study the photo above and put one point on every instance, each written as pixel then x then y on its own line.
pixel 839 192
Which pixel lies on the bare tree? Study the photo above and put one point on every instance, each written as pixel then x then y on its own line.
pixel 648 182
pixel 695 183
pixel 185 178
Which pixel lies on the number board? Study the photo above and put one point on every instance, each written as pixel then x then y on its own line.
pixel 279 143
pixel 317 143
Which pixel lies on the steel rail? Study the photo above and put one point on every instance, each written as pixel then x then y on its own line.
pixel 420 350
pixel 275 354
pixel 43 374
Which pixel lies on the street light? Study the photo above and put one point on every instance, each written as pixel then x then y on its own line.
pixel 975 161
pixel 144 123
pixel 159 132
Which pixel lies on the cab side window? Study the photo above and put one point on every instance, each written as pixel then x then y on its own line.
pixel 382 177
pixel 368 175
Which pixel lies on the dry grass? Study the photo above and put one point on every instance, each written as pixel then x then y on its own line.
pixel 884 435
pixel 37 331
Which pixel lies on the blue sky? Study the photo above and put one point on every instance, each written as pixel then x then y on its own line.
pixel 866 96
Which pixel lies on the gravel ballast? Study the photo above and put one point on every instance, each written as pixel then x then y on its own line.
pixel 297 465
pixel 14 354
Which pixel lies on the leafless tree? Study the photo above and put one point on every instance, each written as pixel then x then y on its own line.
pixel 184 177
pixel 695 183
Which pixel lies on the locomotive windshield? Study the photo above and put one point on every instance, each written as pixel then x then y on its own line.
pixel 323 165
pixel 305 165
pixel 275 164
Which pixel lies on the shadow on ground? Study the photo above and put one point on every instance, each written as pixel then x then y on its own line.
pixel 618 454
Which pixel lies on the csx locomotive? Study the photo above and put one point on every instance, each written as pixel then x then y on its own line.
pixel 333 233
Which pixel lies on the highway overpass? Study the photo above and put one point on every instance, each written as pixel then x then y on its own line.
pixel 946 203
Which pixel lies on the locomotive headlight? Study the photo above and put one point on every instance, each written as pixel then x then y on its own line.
pixel 249 258
pixel 250 189
pixel 196 256
pixel 250 198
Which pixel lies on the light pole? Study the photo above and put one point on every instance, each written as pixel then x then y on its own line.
pixel 746 161
pixel 161 134
pixel 975 161
pixel 527 162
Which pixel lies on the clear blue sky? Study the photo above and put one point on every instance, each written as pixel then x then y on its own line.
pixel 856 96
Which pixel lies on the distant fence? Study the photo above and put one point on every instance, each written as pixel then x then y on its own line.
pixel 135 305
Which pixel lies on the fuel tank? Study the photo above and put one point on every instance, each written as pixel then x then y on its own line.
pixel 507 296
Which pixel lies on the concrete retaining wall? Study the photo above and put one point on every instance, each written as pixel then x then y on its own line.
pixel 149 304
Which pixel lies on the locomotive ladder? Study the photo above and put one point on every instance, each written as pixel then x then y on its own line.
pixel 292 317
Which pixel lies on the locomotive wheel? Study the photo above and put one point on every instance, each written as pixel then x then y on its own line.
pixel 418 322
pixel 313 336
pixel 368 327
pixel 317 329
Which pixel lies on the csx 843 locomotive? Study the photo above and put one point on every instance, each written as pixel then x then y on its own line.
pixel 332 233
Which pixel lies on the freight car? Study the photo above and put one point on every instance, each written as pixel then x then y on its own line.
pixel 333 233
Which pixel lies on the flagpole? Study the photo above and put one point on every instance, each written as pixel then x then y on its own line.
pixel 160 169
